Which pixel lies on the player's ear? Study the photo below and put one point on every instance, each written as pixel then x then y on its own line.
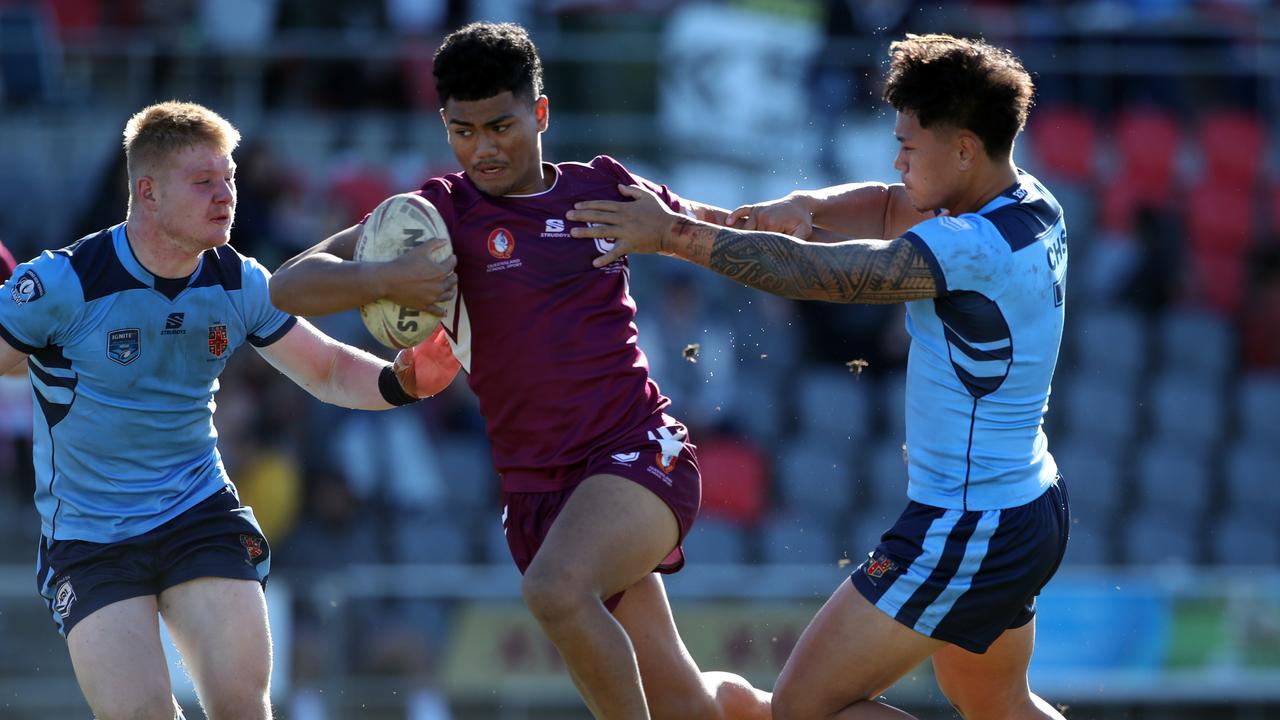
pixel 967 148
pixel 542 112
pixel 145 189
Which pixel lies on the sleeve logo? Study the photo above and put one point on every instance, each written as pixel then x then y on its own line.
pixel 954 223
pixel 27 288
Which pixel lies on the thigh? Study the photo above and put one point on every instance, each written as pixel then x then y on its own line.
pixel 119 661
pixel 220 627
pixel 850 651
pixel 610 534
pixel 991 683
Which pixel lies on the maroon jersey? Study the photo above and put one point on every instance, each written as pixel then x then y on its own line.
pixel 547 340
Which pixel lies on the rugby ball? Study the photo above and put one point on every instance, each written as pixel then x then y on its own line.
pixel 399 224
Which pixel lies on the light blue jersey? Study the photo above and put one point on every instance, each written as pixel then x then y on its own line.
pixel 983 353
pixel 123 368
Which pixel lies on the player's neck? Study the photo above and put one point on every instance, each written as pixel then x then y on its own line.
pixel 159 254
pixel 992 180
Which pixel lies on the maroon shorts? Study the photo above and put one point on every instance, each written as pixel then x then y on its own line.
pixel 659 458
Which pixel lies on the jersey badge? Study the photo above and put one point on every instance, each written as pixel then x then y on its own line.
pixel 27 288
pixel 218 341
pixel 124 345
pixel 501 243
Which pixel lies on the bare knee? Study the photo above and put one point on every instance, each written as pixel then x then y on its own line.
pixel 736 699
pixel 554 597
pixel 239 698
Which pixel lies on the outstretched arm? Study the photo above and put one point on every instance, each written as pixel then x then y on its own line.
pixel 853 271
pixel 324 279
pixel 343 375
pixel 854 210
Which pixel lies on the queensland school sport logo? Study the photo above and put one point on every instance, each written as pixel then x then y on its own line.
pixel 501 243
pixel 124 345
pixel 27 288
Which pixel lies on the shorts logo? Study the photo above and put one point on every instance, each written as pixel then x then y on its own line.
pixel 218 341
pixel 27 288
pixel 124 345
pixel 501 243
pixel 64 598
pixel 252 545
pixel 626 458
pixel 666 462
pixel 877 565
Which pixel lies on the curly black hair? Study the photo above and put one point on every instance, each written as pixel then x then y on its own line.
pixel 481 60
pixel 963 84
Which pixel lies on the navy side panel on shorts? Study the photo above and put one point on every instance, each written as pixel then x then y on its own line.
pixel 965 577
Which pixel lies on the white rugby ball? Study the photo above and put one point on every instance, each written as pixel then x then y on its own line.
pixel 399 224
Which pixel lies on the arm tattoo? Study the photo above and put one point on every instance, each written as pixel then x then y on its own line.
pixel 849 272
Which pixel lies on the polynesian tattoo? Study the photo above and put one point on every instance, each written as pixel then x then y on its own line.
pixel 849 272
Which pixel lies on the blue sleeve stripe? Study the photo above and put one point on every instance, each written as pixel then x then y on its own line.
pixel 938 278
pixel 285 327
pixel 16 343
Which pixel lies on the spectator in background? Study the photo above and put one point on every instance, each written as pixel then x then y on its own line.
pixel 977 248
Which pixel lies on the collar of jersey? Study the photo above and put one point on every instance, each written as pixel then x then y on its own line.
pixel 555 170
pixel 120 240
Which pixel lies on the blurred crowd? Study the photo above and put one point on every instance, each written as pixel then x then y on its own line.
pixel 1166 409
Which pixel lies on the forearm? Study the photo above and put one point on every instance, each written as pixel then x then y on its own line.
pixel 322 283
pixel 863 271
pixel 851 210
pixel 351 380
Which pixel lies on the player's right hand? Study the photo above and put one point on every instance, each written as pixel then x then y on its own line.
pixel 434 364
pixel 785 215
pixel 415 280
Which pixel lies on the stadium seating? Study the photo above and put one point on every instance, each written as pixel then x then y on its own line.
pixel 798 538
pixel 1186 412
pixel 814 476
pixel 1150 538
pixel 1258 403
pixel 713 540
pixel 1064 139
pixel 834 405
pixel 1233 148
pixel 1173 483
pixel 1197 344
pixel 468 473
pixel 1240 538
pixel 1099 413
pixel 1095 481
pixel 1251 481
pixel 1110 343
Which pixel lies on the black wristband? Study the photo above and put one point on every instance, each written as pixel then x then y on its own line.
pixel 391 390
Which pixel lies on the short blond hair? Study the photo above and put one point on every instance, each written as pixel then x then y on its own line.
pixel 157 132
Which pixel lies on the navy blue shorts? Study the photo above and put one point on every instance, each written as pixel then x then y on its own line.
pixel 964 577
pixel 216 538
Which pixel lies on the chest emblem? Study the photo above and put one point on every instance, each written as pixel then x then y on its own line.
pixel 124 345
pixel 218 341
pixel 501 243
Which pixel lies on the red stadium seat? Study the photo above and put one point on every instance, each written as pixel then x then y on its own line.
pixel 1147 140
pixel 1232 143
pixel 735 479
pixel 1064 140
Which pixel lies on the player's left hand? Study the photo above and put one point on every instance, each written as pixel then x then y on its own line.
pixel 634 227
